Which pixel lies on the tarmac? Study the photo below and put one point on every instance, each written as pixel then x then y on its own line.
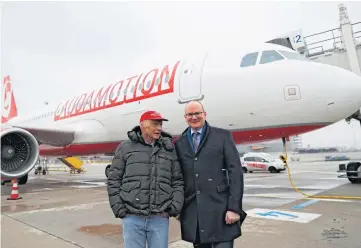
pixel 63 210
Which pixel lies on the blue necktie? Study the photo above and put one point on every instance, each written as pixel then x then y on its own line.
pixel 195 141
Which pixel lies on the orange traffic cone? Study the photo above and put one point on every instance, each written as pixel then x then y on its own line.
pixel 14 191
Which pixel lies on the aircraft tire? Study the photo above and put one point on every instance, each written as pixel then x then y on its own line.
pixel 107 170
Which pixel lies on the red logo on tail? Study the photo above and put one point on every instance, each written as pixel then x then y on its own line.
pixel 9 109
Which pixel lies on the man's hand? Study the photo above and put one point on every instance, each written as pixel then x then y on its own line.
pixel 231 217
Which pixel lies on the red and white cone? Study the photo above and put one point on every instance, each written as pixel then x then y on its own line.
pixel 14 191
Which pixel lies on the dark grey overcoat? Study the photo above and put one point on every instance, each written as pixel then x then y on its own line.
pixel 208 196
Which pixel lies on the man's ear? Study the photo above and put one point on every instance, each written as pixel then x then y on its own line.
pixel 143 123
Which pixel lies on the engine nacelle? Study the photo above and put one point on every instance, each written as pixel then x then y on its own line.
pixel 19 153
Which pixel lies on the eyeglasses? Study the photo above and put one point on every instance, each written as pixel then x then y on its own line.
pixel 196 114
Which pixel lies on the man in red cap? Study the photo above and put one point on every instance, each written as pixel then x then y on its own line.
pixel 145 184
pixel 151 123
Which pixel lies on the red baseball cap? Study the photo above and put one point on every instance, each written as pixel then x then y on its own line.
pixel 152 115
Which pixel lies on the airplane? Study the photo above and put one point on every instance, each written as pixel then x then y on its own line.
pixel 263 92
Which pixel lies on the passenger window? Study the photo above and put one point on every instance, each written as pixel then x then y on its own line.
pixel 248 159
pixel 270 56
pixel 258 159
pixel 249 59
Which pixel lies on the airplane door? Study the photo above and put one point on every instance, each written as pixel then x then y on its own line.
pixel 190 81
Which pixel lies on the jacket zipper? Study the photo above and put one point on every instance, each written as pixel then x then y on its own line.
pixel 150 182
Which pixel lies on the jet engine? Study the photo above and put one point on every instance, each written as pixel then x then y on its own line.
pixel 19 152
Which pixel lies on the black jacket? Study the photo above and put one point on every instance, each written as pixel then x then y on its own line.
pixel 209 192
pixel 145 180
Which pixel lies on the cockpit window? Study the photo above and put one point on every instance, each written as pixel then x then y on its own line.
pixel 270 56
pixel 295 56
pixel 249 59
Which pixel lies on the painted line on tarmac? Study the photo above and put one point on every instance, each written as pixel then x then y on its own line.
pixel 331 178
pixel 295 197
pixel 318 186
pixel 180 244
pixel 255 177
pixel 53 179
pixel 43 189
pixel 319 172
pixel 304 204
pixel 282 215
pixel 251 179
pixel 73 208
pixel 262 186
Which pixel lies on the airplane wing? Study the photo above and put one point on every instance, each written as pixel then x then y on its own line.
pixel 53 137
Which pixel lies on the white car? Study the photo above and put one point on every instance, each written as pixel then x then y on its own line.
pixel 261 162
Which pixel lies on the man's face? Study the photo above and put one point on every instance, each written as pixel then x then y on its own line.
pixel 195 115
pixel 152 129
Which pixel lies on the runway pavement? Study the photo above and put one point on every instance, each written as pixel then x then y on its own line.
pixel 72 210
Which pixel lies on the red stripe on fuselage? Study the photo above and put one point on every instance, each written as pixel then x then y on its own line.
pixel 240 137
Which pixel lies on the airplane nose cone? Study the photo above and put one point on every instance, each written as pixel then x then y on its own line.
pixel 355 87
pixel 345 92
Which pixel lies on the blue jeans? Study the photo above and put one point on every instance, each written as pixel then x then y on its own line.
pixel 137 230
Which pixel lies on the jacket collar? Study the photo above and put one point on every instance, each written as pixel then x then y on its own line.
pixel 165 139
pixel 206 131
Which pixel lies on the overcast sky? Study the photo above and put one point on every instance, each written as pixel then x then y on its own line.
pixel 78 46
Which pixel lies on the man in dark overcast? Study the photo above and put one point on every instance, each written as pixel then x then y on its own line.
pixel 213 181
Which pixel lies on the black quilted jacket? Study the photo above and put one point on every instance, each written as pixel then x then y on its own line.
pixel 145 180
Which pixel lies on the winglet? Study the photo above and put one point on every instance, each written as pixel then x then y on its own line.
pixel 9 109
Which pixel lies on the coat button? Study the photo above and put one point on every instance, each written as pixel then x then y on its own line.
pixel 202 230
pixel 195 158
pixel 197 175
pixel 198 192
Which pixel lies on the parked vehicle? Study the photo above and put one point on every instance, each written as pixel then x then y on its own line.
pixel 261 162
pixel 337 158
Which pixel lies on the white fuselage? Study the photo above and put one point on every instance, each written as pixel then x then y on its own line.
pixel 284 92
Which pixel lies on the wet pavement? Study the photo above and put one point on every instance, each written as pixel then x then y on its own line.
pixel 72 210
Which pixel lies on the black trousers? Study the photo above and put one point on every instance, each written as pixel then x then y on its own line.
pixel 197 244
